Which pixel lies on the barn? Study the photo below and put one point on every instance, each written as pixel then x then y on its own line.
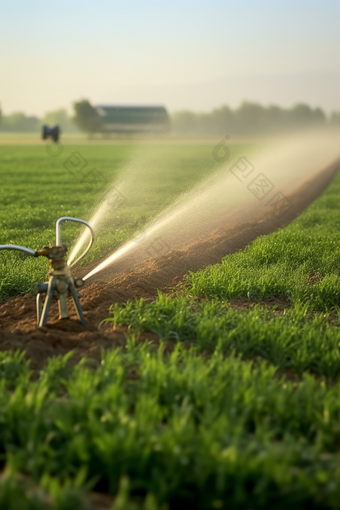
pixel 133 119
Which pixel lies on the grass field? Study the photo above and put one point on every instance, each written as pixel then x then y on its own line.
pixel 299 265
pixel 244 412
pixel 37 189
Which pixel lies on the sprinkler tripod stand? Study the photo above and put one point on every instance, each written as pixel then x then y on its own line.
pixel 60 283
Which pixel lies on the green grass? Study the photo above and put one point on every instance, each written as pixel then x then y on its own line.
pixel 293 340
pixel 244 413
pixel 36 190
pixel 182 430
pixel 299 264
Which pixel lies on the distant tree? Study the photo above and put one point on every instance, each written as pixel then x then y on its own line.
pixel 276 119
pixel 251 118
pixel 219 121
pixel 86 117
pixel 335 119
pixel 319 116
pixel 60 118
pixel 19 122
pixel 184 122
pixel 302 115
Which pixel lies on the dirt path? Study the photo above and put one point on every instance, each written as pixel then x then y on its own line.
pixel 17 316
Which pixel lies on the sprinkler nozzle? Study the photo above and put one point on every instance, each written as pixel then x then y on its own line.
pixel 60 283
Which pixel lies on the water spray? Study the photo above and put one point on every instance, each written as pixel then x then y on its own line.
pixel 60 283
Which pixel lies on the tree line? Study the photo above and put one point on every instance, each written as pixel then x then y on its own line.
pixel 19 122
pixel 251 118
pixel 248 119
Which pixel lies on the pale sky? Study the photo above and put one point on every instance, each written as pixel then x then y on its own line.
pixel 183 54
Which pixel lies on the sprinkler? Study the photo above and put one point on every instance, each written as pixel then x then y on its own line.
pixel 60 283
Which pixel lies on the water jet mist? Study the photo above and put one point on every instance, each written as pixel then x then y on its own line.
pixel 232 195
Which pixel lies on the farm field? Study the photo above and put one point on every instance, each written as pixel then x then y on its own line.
pixel 36 190
pixel 233 398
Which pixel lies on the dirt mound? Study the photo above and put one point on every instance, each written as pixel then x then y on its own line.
pixel 18 319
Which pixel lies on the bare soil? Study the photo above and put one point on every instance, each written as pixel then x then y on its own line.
pixel 18 329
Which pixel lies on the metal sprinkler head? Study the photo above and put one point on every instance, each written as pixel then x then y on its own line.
pixel 60 283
